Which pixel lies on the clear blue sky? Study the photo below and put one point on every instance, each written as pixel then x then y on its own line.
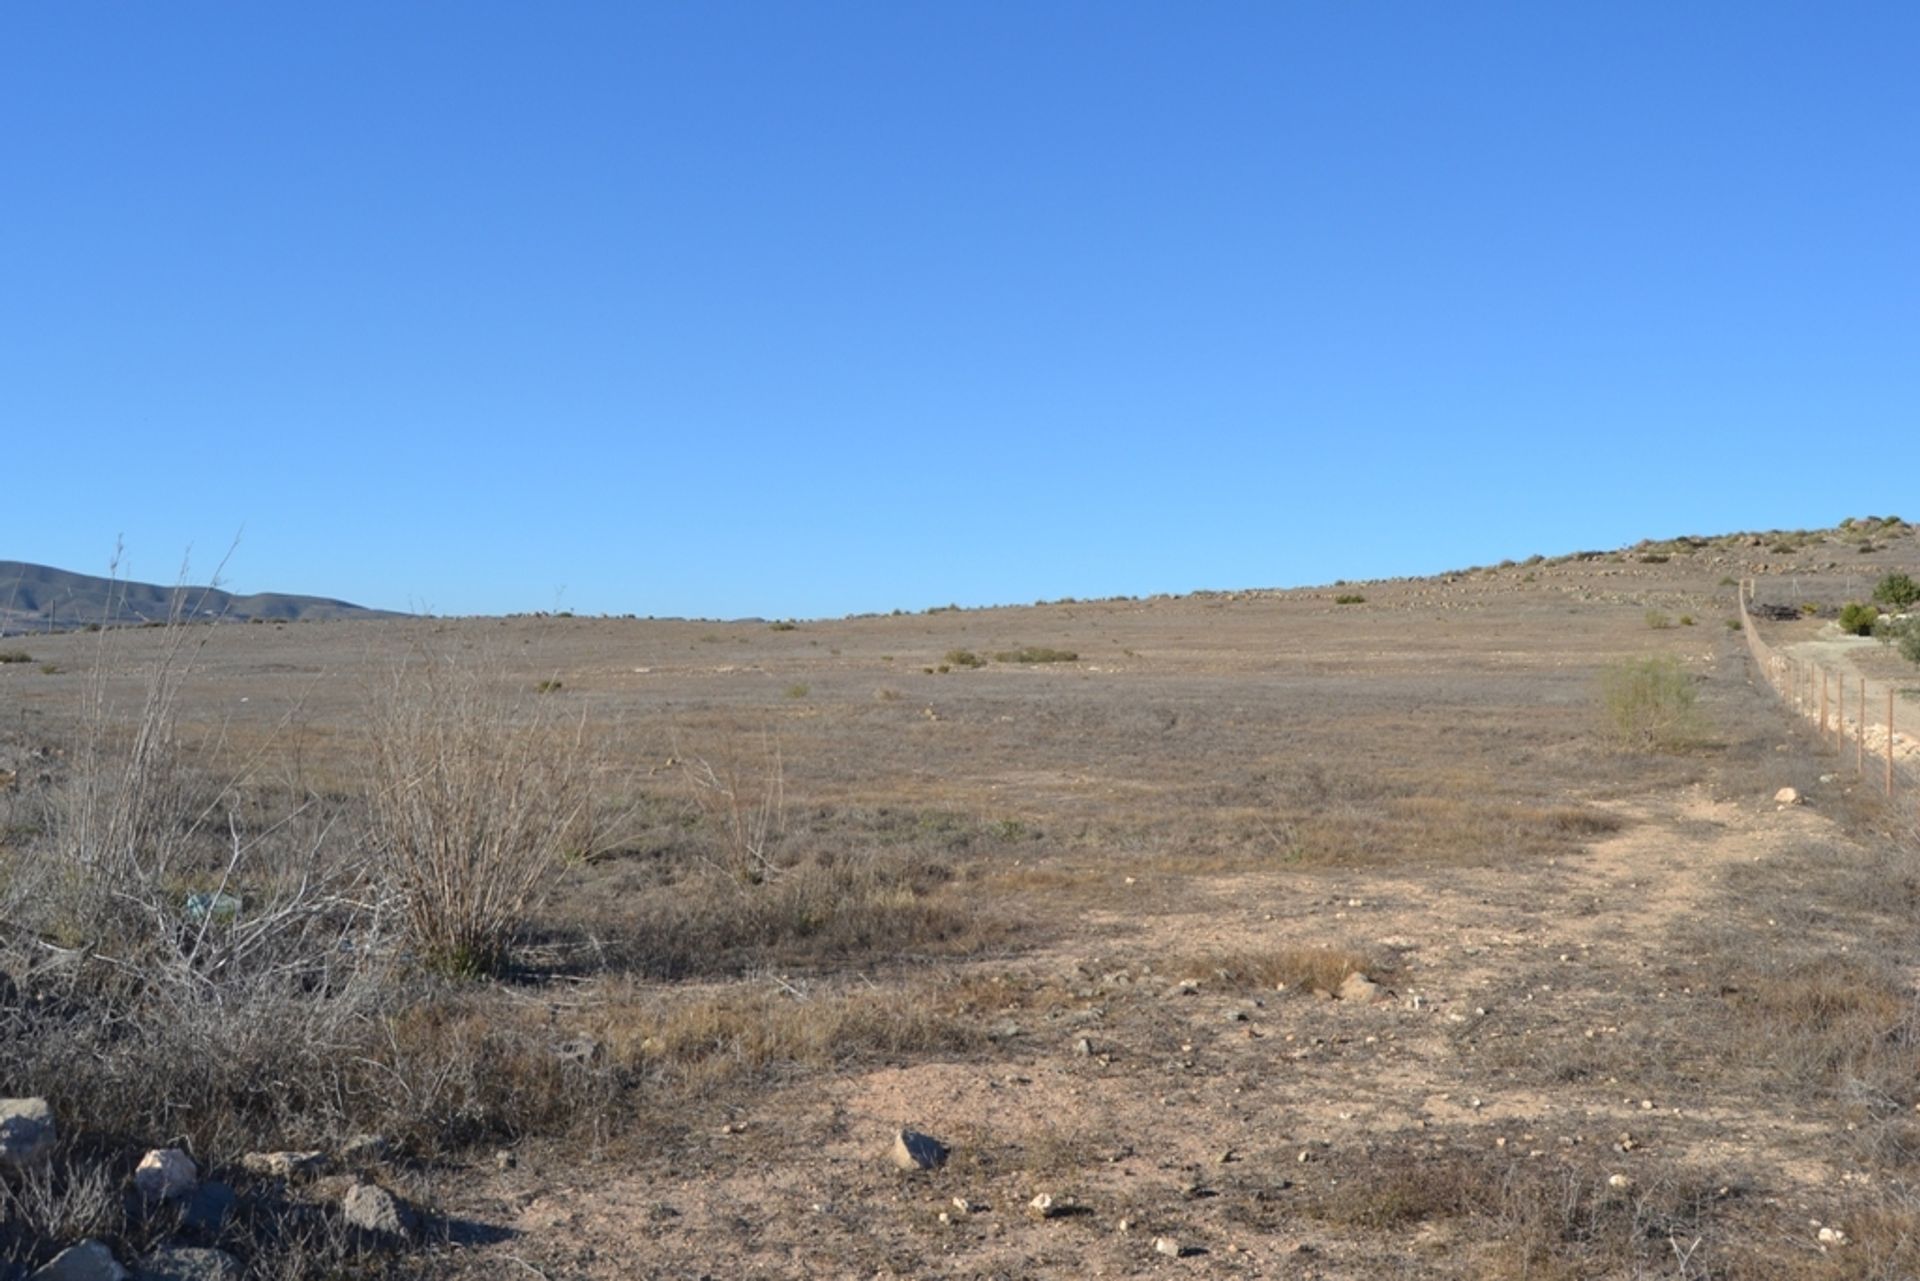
pixel 807 308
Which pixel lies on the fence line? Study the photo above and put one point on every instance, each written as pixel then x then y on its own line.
pixel 1804 685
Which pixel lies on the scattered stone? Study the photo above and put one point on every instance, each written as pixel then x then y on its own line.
pixel 284 1165
pixel 1125 1225
pixel 1832 1236
pixel 1185 987
pixel 26 1132
pixel 913 1150
pixel 582 1051
pixel 1042 1207
pixel 208 1210
pixel 1358 987
pixel 1083 1047
pixel 375 1211
pixel 365 1149
pixel 88 1261
pixel 1786 796
pixel 187 1263
pixel 963 1205
pixel 1167 1246
pixel 504 1159
pixel 1237 1016
pixel 166 1174
pixel 1619 1182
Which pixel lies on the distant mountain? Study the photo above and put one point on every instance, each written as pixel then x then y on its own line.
pixel 38 598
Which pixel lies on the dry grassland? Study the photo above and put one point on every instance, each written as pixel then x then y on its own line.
pixel 1087 921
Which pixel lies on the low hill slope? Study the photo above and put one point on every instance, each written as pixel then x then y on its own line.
pixel 37 598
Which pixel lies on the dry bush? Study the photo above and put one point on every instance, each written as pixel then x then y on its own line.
pixel 1648 704
pixel 476 794
pixel 745 803
pixel 729 1036
pixel 1306 967
pixel 61 1200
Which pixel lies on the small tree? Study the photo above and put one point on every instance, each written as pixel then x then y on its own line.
pixel 1897 591
pixel 1857 619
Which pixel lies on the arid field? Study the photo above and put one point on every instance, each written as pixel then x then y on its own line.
pixel 1344 932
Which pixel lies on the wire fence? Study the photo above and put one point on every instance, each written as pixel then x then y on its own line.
pixel 1853 718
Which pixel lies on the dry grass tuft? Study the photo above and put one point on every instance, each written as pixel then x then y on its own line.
pixel 476 794
pixel 1303 967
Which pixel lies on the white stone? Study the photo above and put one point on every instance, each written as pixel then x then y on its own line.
pixel 166 1174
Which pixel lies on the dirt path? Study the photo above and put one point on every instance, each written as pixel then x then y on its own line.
pixel 1205 1114
pixel 1839 655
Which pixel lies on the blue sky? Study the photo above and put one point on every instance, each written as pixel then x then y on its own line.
pixel 804 309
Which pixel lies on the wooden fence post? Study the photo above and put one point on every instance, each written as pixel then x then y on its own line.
pixel 1860 751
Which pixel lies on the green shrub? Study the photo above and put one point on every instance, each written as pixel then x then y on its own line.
pixel 1648 704
pixel 1037 654
pixel 1655 558
pixel 1658 621
pixel 1350 598
pixel 1897 591
pixel 1686 620
pixel 1904 633
pixel 798 689
pixel 784 625
pixel 1733 624
pixel 15 656
pixel 549 687
pixel 1857 619
pixel 964 658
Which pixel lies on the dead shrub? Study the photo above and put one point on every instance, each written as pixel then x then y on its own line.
pixel 476 793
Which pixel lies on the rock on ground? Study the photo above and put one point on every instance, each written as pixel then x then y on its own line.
pixel 913 1150
pixel 1358 987
pixel 374 1210
pixel 88 1261
pixel 26 1131
pixel 284 1165
pixel 166 1174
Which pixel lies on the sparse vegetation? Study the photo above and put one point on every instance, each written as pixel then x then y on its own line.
pixel 1649 704
pixel 1037 654
pixel 1658 620
pixel 962 658
pixel 1897 592
pixel 15 656
pixel 1350 598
